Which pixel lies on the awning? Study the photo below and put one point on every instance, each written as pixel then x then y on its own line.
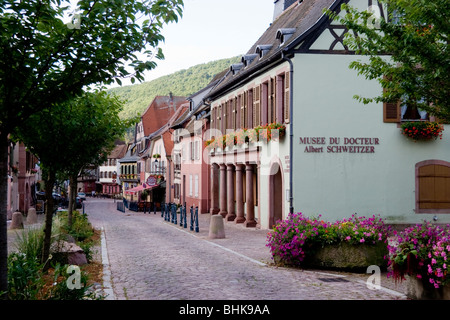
pixel 141 187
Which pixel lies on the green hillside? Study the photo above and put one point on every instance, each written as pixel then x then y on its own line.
pixel 181 83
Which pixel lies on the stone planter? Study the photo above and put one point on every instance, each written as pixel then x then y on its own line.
pixel 348 257
pixel 419 289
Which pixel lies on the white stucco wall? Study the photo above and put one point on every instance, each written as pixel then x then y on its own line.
pixel 336 185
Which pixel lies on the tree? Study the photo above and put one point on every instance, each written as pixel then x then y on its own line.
pixel 69 136
pixel 408 52
pixel 46 62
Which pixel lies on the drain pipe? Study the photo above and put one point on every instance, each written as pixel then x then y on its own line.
pixel 291 130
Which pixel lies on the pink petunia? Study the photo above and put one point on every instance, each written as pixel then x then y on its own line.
pixel 362 240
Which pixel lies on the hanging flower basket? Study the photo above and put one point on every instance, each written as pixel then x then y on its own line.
pixel 422 130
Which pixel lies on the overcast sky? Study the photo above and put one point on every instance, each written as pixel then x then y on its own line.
pixel 211 30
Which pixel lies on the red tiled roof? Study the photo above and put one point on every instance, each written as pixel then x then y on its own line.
pixel 159 112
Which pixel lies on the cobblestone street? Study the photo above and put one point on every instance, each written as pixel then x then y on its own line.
pixel 152 259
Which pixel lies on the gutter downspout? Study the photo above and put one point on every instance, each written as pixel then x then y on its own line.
pixel 291 131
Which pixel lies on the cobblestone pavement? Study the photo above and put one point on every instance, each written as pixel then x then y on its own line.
pixel 148 258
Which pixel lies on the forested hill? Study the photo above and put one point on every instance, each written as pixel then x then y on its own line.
pixel 181 83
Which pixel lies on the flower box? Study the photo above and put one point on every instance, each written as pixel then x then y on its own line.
pixel 348 257
pixel 422 130
pixel 419 289
pixel 351 244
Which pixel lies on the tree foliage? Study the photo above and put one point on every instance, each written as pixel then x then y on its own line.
pixel 68 136
pixel 408 51
pixel 45 61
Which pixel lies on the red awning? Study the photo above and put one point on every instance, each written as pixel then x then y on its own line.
pixel 140 188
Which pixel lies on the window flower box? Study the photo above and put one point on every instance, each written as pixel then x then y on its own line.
pixel 422 130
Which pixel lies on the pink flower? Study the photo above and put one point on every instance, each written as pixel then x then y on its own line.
pixel 362 240
pixel 347 238
pixel 433 261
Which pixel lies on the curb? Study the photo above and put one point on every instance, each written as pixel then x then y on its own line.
pixel 107 286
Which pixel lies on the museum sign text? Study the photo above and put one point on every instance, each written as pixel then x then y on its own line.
pixel 339 145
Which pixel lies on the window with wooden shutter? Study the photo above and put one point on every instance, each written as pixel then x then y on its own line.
pixel 391 111
pixel 264 103
pixel 250 108
pixel 271 114
pixel 433 187
pixel 257 106
pixel 244 123
pixel 242 111
pixel 213 118
pixel 287 97
pixel 237 106
pixel 219 119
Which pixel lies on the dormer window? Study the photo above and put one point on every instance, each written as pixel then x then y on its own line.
pixel 262 49
pixel 248 58
pixel 235 68
pixel 284 34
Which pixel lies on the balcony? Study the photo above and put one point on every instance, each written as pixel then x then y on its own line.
pixel 132 177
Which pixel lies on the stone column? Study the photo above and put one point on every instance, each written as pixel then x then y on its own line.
pixel 214 189
pixel 223 190
pixel 231 215
pixel 239 195
pixel 250 205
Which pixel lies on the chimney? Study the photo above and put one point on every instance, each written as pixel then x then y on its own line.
pixel 281 5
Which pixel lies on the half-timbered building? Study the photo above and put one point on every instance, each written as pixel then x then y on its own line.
pixel 334 156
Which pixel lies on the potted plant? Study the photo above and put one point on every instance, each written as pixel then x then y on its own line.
pixel 420 253
pixel 156 156
pixel 422 130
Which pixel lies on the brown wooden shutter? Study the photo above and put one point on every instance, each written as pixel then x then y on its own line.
pixel 242 112
pixel 213 118
pixel 257 106
pixel 219 119
pixel 287 96
pixel 391 111
pixel 250 108
pixel 434 187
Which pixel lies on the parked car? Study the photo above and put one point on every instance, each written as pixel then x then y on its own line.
pixel 82 195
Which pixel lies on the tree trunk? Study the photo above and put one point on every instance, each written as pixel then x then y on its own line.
pixel 72 198
pixel 49 179
pixel 4 142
